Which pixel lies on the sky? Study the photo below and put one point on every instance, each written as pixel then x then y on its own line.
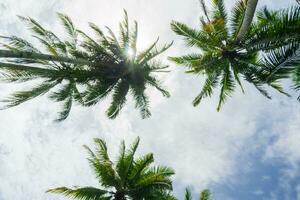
pixel 249 150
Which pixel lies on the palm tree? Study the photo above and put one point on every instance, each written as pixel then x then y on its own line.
pixel 86 69
pixel 205 195
pixel 231 47
pixel 129 178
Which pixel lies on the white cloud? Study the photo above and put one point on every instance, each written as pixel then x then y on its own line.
pixel 286 145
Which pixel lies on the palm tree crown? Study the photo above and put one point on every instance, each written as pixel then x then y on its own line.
pixel 266 53
pixel 205 195
pixel 129 178
pixel 84 69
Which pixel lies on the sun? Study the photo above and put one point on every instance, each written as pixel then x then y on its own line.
pixel 130 52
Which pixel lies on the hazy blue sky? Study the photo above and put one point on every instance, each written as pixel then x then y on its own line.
pixel 249 150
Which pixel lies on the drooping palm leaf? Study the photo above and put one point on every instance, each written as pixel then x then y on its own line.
pixel 85 193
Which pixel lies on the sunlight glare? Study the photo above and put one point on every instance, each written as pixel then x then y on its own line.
pixel 130 52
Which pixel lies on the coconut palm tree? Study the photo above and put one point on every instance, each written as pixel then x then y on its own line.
pixel 205 195
pixel 231 47
pixel 86 69
pixel 128 178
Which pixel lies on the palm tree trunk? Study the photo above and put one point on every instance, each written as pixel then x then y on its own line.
pixel 248 17
pixel 39 56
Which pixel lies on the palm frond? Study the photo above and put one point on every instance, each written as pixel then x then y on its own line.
pixel 124 32
pixel 118 99
pixel 94 93
pixel 220 11
pixel 280 62
pixel 102 166
pixel 147 51
pixel 69 26
pixel 151 52
pixel 157 177
pixel 133 39
pixel 121 162
pixel 237 17
pixel 188 195
pixel 281 29
pixel 161 195
pixel 139 166
pixel 84 193
pixel 253 76
pixel 129 156
pixel 112 38
pixel 102 153
pixel 191 36
pixel 47 38
pixel 34 26
pixel 207 90
pixel 125 162
pixel 191 60
pixel 296 80
pixel 227 87
pixel 22 96
pixel 141 101
pixel 20 43
pixel 66 94
pixel 264 16
pixel 66 109
pixel 156 83
pixel 235 69
pixel 20 73
pixel 98 31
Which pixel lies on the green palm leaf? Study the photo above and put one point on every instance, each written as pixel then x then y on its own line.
pixel 188 195
pixel 85 193
pixel 118 100
pixel 22 96
pixel 207 90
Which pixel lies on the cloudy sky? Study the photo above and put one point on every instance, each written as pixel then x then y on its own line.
pixel 249 150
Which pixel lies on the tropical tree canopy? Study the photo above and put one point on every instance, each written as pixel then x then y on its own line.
pixel 205 195
pixel 127 178
pixel 265 54
pixel 81 69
